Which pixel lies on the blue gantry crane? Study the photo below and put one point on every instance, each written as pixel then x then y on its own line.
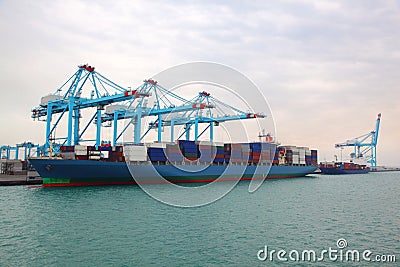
pixel 185 112
pixel 364 145
pixel 216 111
pixel 68 99
pixel 113 102
pixel 163 102
pixel 29 148
pixel 5 152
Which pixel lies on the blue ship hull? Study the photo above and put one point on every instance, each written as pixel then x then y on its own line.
pixel 55 172
pixel 343 171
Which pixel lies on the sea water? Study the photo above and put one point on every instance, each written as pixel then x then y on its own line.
pixel 123 226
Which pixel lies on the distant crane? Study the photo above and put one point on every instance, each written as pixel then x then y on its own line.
pixel 364 144
pixel 5 151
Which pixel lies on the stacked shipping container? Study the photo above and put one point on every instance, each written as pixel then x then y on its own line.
pixel 174 153
pixel 292 155
pixel 202 152
pixel 189 149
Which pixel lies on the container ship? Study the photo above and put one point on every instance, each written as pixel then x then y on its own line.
pixel 178 162
pixel 343 168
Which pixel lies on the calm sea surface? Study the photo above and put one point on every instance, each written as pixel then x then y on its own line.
pixel 122 226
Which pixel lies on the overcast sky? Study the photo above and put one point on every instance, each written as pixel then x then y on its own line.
pixel 326 68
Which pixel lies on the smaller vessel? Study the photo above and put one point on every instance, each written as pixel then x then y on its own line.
pixel 343 168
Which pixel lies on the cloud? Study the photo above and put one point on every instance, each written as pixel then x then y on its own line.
pixel 327 68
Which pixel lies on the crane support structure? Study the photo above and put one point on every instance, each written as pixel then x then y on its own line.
pixel 186 112
pixel 148 100
pixel 364 145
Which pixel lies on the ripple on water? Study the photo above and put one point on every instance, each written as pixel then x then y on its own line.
pixel 97 226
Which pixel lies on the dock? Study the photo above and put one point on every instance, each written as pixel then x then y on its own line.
pixel 20 179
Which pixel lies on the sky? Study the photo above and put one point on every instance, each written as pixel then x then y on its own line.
pixel 327 68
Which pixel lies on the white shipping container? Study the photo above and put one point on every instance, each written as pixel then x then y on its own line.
pixel 289 147
pixel 303 148
pixel 135 153
pixel 205 143
pixel 80 152
pixel 135 149
pixel 68 155
pixel 136 158
pixel 218 143
pixel 159 145
pixel 80 148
